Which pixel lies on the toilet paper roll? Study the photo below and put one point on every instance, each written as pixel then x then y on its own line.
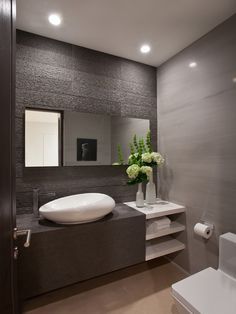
pixel 203 230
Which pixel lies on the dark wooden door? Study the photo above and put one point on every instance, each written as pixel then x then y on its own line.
pixel 7 162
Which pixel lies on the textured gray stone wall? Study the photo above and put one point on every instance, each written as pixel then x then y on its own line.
pixel 197 135
pixel 56 75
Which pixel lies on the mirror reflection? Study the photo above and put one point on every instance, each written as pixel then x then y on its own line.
pixel 88 139
pixel 42 138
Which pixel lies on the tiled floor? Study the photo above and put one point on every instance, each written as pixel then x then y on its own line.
pixel 142 289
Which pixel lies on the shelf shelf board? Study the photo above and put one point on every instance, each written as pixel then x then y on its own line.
pixel 162 246
pixel 174 227
pixel 161 208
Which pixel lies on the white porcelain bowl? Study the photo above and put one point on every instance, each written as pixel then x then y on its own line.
pixel 79 208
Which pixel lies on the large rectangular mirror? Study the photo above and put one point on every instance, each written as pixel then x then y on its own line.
pixel 87 139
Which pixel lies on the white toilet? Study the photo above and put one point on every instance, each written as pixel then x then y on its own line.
pixel 210 291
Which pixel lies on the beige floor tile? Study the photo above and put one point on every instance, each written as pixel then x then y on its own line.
pixel 142 289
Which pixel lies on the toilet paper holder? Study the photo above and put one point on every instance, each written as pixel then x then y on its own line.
pixel 209 224
pixel 204 229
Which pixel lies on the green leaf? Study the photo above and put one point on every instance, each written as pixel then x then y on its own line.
pixel 135 143
pixel 120 155
pixel 148 142
pixel 132 150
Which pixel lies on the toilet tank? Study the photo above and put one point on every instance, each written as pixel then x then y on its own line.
pixel 227 254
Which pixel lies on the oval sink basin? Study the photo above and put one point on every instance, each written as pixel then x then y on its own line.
pixel 79 208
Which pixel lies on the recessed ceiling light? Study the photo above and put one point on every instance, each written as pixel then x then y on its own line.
pixel 192 64
pixel 145 48
pixel 54 19
pixel 234 80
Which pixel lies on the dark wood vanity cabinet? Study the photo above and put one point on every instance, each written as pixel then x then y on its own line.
pixel 62 255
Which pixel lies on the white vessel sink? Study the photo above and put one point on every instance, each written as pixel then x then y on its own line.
pixel 79 208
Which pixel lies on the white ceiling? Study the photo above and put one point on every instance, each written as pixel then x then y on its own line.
pixel 120 27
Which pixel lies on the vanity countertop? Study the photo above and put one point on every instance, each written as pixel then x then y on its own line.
pixel 37 225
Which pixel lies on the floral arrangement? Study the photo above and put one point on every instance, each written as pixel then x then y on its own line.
pixel 142 159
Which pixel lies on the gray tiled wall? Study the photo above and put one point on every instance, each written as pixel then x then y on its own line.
pixel 56 75
pixel 197 135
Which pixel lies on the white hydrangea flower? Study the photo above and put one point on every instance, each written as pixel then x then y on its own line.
pixel 147 157
pixel 156 157
pixel 132 156
pixel 133 171
pixel 147 170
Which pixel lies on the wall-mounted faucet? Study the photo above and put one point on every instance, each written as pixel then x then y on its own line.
pixel 36 200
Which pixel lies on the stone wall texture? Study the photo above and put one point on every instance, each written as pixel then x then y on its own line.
pixel 55 75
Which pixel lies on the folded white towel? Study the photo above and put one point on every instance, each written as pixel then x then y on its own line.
pixel 162 221
pixel 151 226
pixel 161 227
pixel 157 224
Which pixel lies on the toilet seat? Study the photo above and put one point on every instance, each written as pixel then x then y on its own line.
pixel 207 292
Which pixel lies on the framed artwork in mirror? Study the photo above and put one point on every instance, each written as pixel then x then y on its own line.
pixel 86 149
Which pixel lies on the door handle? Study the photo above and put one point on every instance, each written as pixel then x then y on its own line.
pixel 26 232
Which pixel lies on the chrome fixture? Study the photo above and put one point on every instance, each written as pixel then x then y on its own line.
pixel 36 200
pixel 26 232
pixel 17 233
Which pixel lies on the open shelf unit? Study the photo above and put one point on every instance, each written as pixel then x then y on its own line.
pixel 174 227
pixel 160 243
pixel 162 246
